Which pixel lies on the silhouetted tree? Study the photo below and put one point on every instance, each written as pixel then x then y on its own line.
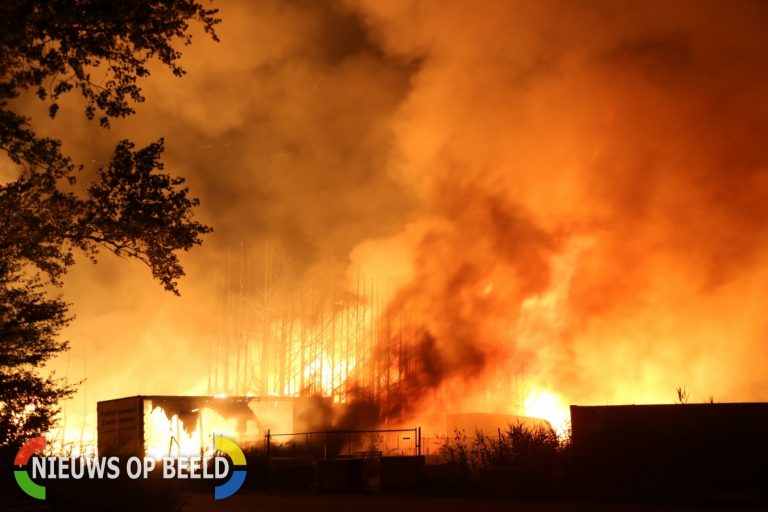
pixel 29 324
pixel 131 208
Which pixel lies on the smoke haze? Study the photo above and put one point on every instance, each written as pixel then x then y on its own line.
pixel 599 178
pixel 575 191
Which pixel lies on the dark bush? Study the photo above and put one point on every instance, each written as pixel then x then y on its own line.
pixel 521 461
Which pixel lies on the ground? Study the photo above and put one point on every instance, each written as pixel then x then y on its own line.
pixel 283 502
pixel 268 502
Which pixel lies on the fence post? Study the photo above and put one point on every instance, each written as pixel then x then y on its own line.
pixel 418 439
pixel 269 463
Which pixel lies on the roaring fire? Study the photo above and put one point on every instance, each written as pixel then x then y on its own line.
pixel 328 375
pixel 544 404
pixel 578 219
pixel 169 437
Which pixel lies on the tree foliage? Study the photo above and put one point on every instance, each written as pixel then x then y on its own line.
pixel 29 324
pixel 49 212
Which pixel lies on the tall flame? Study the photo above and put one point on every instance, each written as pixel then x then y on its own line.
pixel 546 405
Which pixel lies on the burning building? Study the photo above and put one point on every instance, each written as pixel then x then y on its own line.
pixel 545 209
pixel 160 426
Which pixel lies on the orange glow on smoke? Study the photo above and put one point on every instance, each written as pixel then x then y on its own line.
pixel 576 219
pixel 544 404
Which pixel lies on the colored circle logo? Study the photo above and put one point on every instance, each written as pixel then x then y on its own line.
pixel 22 475
pixel 237 477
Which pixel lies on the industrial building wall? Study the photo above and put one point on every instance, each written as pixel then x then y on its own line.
pixel 120 425
pixel 705 450
pixel 168 425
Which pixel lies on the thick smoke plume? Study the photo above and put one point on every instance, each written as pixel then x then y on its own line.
pixel 573 192
pixel 593 195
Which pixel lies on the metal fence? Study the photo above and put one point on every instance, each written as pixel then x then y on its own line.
pixel 329 444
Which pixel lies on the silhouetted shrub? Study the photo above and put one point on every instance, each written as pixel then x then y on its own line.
pixel 521 461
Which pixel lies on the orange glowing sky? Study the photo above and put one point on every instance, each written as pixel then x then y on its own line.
pixel 573 190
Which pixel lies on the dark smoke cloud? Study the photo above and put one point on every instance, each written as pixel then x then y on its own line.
pixel 283 132
pixel 630 137
pixel 572 190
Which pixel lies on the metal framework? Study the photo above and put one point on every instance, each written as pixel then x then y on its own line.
pixel 290 337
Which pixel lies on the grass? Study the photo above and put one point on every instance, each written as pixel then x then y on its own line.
pixel 521 461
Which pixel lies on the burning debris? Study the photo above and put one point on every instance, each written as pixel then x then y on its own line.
pixel 163 426
pixel 542 209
